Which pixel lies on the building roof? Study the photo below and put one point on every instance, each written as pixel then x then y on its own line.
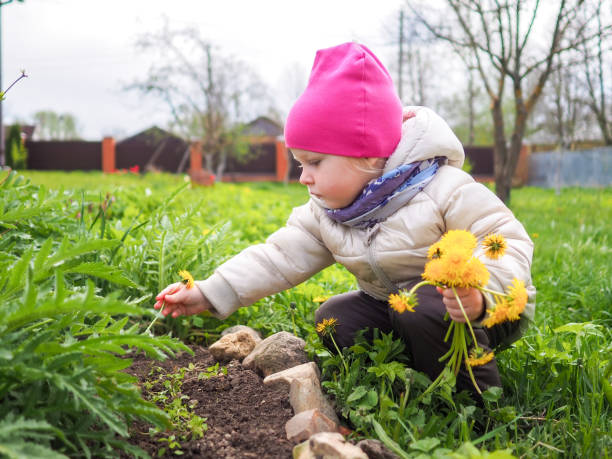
pixel 27 130
pixel 263 126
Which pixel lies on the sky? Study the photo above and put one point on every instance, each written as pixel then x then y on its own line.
pixel 80 54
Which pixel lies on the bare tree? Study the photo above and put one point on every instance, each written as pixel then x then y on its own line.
pixel 561 116
pixel 209 96
pixel 597 64
pixel 500 36
pixel 415 63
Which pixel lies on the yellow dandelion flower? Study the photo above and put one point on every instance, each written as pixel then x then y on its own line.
pixel 403 301
pixel 453 266
pixel 517 294
pixel 535 235
pixel 435 251
pixel 327 326
pixel 499 314
pixel 475 274
pixel 477 359
pixel 205 231
pixel 320 299
pixel 187 278
pixel 452 262
pixel 494 245
pixel 455 239
pixel 434 271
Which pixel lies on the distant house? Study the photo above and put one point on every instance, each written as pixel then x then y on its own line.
pixel 263 127
pixel 153 149
pixel 268 159
pixel 158 149
pixel 27 130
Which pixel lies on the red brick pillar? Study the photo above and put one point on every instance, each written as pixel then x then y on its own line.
pixel 195 157
pixel 521 173
pixel 282 162
pixel 108 155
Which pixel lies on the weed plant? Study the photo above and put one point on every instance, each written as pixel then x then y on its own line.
pixel 557 393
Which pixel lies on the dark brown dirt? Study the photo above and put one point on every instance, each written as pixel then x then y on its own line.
pixel 245 418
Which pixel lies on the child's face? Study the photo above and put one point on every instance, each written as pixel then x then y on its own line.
pixel 336 180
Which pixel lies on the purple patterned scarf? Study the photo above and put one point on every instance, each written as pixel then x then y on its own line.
pixel 384 195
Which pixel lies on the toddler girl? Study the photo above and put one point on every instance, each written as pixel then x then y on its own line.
pixel 384 184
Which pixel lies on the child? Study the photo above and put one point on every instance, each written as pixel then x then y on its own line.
pixel 384 184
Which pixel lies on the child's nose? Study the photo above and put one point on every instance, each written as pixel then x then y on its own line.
pixel 306 178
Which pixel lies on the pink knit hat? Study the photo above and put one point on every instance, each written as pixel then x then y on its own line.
pixel 349 108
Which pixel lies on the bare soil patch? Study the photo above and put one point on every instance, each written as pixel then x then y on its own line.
pixel 245 418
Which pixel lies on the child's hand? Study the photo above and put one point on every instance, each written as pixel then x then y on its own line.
pixel 178 300
pixel 471 299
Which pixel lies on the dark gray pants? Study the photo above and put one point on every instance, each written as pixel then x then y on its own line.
pixel 422 331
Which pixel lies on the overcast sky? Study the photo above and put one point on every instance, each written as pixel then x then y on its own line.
pixel 79 54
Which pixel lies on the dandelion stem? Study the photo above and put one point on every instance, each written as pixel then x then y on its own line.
pixel 469 369
pixel 467 321
pixel 339 353
pixel 157 316
pixel 419 285
pixel 493 292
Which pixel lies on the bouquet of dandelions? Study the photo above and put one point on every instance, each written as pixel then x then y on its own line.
pixel 451 265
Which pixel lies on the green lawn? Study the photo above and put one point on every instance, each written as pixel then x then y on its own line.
pixel 554 402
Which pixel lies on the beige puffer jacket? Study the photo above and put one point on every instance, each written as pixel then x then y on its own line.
pixel 393 253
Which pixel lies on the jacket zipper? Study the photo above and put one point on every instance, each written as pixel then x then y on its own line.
pixel 380 274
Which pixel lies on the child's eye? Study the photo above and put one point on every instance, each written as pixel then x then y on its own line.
pixel 311 162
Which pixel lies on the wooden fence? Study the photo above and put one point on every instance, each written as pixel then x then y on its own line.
pixel 269 160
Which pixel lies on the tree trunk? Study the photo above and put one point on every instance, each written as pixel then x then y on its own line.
pixel 500 153
pixel 221 165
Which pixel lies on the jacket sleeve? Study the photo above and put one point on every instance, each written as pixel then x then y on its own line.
pixel 289 256
pixel 474 207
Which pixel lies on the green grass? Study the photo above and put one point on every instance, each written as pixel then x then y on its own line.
pixel 554 402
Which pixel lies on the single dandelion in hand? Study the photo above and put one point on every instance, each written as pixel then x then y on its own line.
pixel 187 281
pixel 187 278
pixel 403 301
pixel 494 245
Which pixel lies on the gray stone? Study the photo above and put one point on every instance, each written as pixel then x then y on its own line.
pixel 276 353
pixel 375 449
pixel 233 346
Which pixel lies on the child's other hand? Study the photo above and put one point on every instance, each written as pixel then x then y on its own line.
pixel 178 300
pixel 471 299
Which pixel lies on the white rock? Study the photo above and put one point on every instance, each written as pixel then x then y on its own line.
pixel 333 445
pixel 308 370
pixel 301 426
pixel 306 394
pixel 237 328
